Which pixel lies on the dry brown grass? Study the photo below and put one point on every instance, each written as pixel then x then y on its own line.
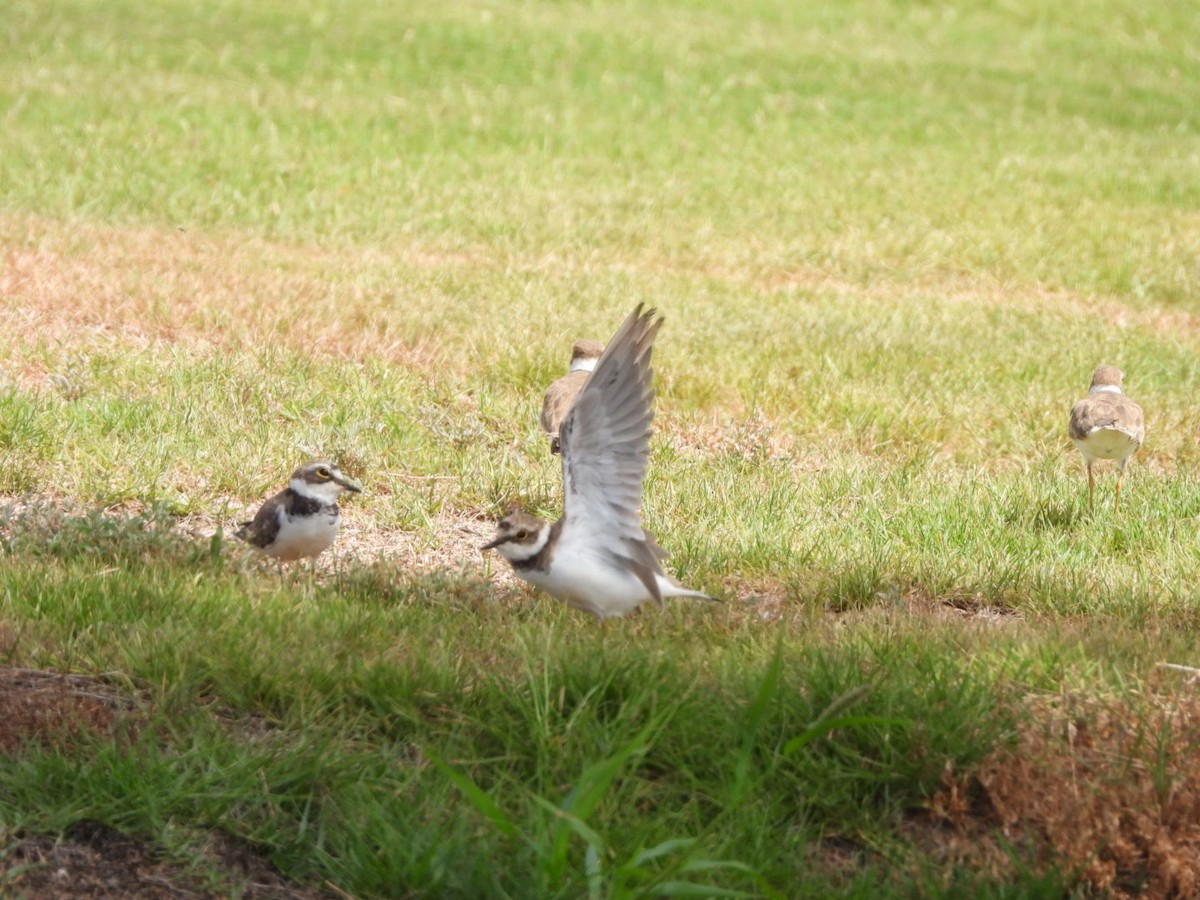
pixel 142 285
pixel 1103 789
pixel 749 437
pixel 56 709
pixel 71 281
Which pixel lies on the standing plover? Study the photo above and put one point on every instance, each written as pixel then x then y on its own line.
pixel 597 557
pixel 562 393
pixel 302 519
pixel 1106 425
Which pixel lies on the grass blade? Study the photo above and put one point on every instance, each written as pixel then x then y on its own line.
pixel 758 711
pixel 477 797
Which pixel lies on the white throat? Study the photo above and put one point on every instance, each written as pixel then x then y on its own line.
pixel 521 552
pixel 1104 389
pixel 326 492
pixel 582 365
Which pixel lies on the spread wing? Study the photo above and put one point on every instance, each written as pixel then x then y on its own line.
pixel 605 442
pixel 1107 410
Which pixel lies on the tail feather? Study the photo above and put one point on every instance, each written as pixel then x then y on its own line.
pixel 668 588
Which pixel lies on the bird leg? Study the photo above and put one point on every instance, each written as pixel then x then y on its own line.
pixel 1091 486
pixel 1120 475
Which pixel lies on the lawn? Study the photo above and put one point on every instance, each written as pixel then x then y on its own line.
pixel 891 241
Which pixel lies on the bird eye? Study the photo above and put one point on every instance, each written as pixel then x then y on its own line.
pixel 522 534
pixel 324 473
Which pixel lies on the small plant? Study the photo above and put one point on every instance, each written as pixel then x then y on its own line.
pixel 671 868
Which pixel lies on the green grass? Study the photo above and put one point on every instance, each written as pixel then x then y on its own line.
pixel 333 752
pixel 891 240
pixel 865 140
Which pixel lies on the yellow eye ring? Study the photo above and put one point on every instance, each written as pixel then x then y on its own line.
pixel 324 473
pixel 522 534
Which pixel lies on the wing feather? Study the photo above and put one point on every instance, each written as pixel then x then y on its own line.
pixel 1107 410
pixel 262 530
pixel 605 441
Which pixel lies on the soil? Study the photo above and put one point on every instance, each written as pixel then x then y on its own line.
pixel 91 859
pixel 94 861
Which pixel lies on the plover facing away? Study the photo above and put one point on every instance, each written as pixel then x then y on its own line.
pixel 562 393
pixel 597 557
pixel 1106 425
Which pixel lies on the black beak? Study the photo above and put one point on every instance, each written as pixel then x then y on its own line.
pixel 494 543
pixel 349 485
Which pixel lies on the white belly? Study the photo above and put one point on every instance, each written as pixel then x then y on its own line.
pixel 1106 443
pixel 586 583
pixel 302 536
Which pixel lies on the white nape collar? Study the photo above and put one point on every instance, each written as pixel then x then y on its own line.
pixel 582 365
pixel 1105 389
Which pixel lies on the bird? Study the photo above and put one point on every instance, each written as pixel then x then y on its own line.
pixel 598 557
pixel 1106 425
pixel 302 519
pixel 562 392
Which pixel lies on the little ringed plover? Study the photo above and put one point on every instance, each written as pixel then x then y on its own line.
pixel 597 557
pixel 1106 425
pixel 302 519
pixel 562 393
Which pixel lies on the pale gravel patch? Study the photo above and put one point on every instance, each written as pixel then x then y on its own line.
pixel 451 545
pixel 446 544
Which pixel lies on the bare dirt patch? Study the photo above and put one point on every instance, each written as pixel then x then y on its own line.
pixel 976 608
pixel 91 860
pixel 94 861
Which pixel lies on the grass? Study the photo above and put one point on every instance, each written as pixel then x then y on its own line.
pixel 891 241
pixel 380 717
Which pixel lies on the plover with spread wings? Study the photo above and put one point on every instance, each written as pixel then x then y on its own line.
pixel 597 557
